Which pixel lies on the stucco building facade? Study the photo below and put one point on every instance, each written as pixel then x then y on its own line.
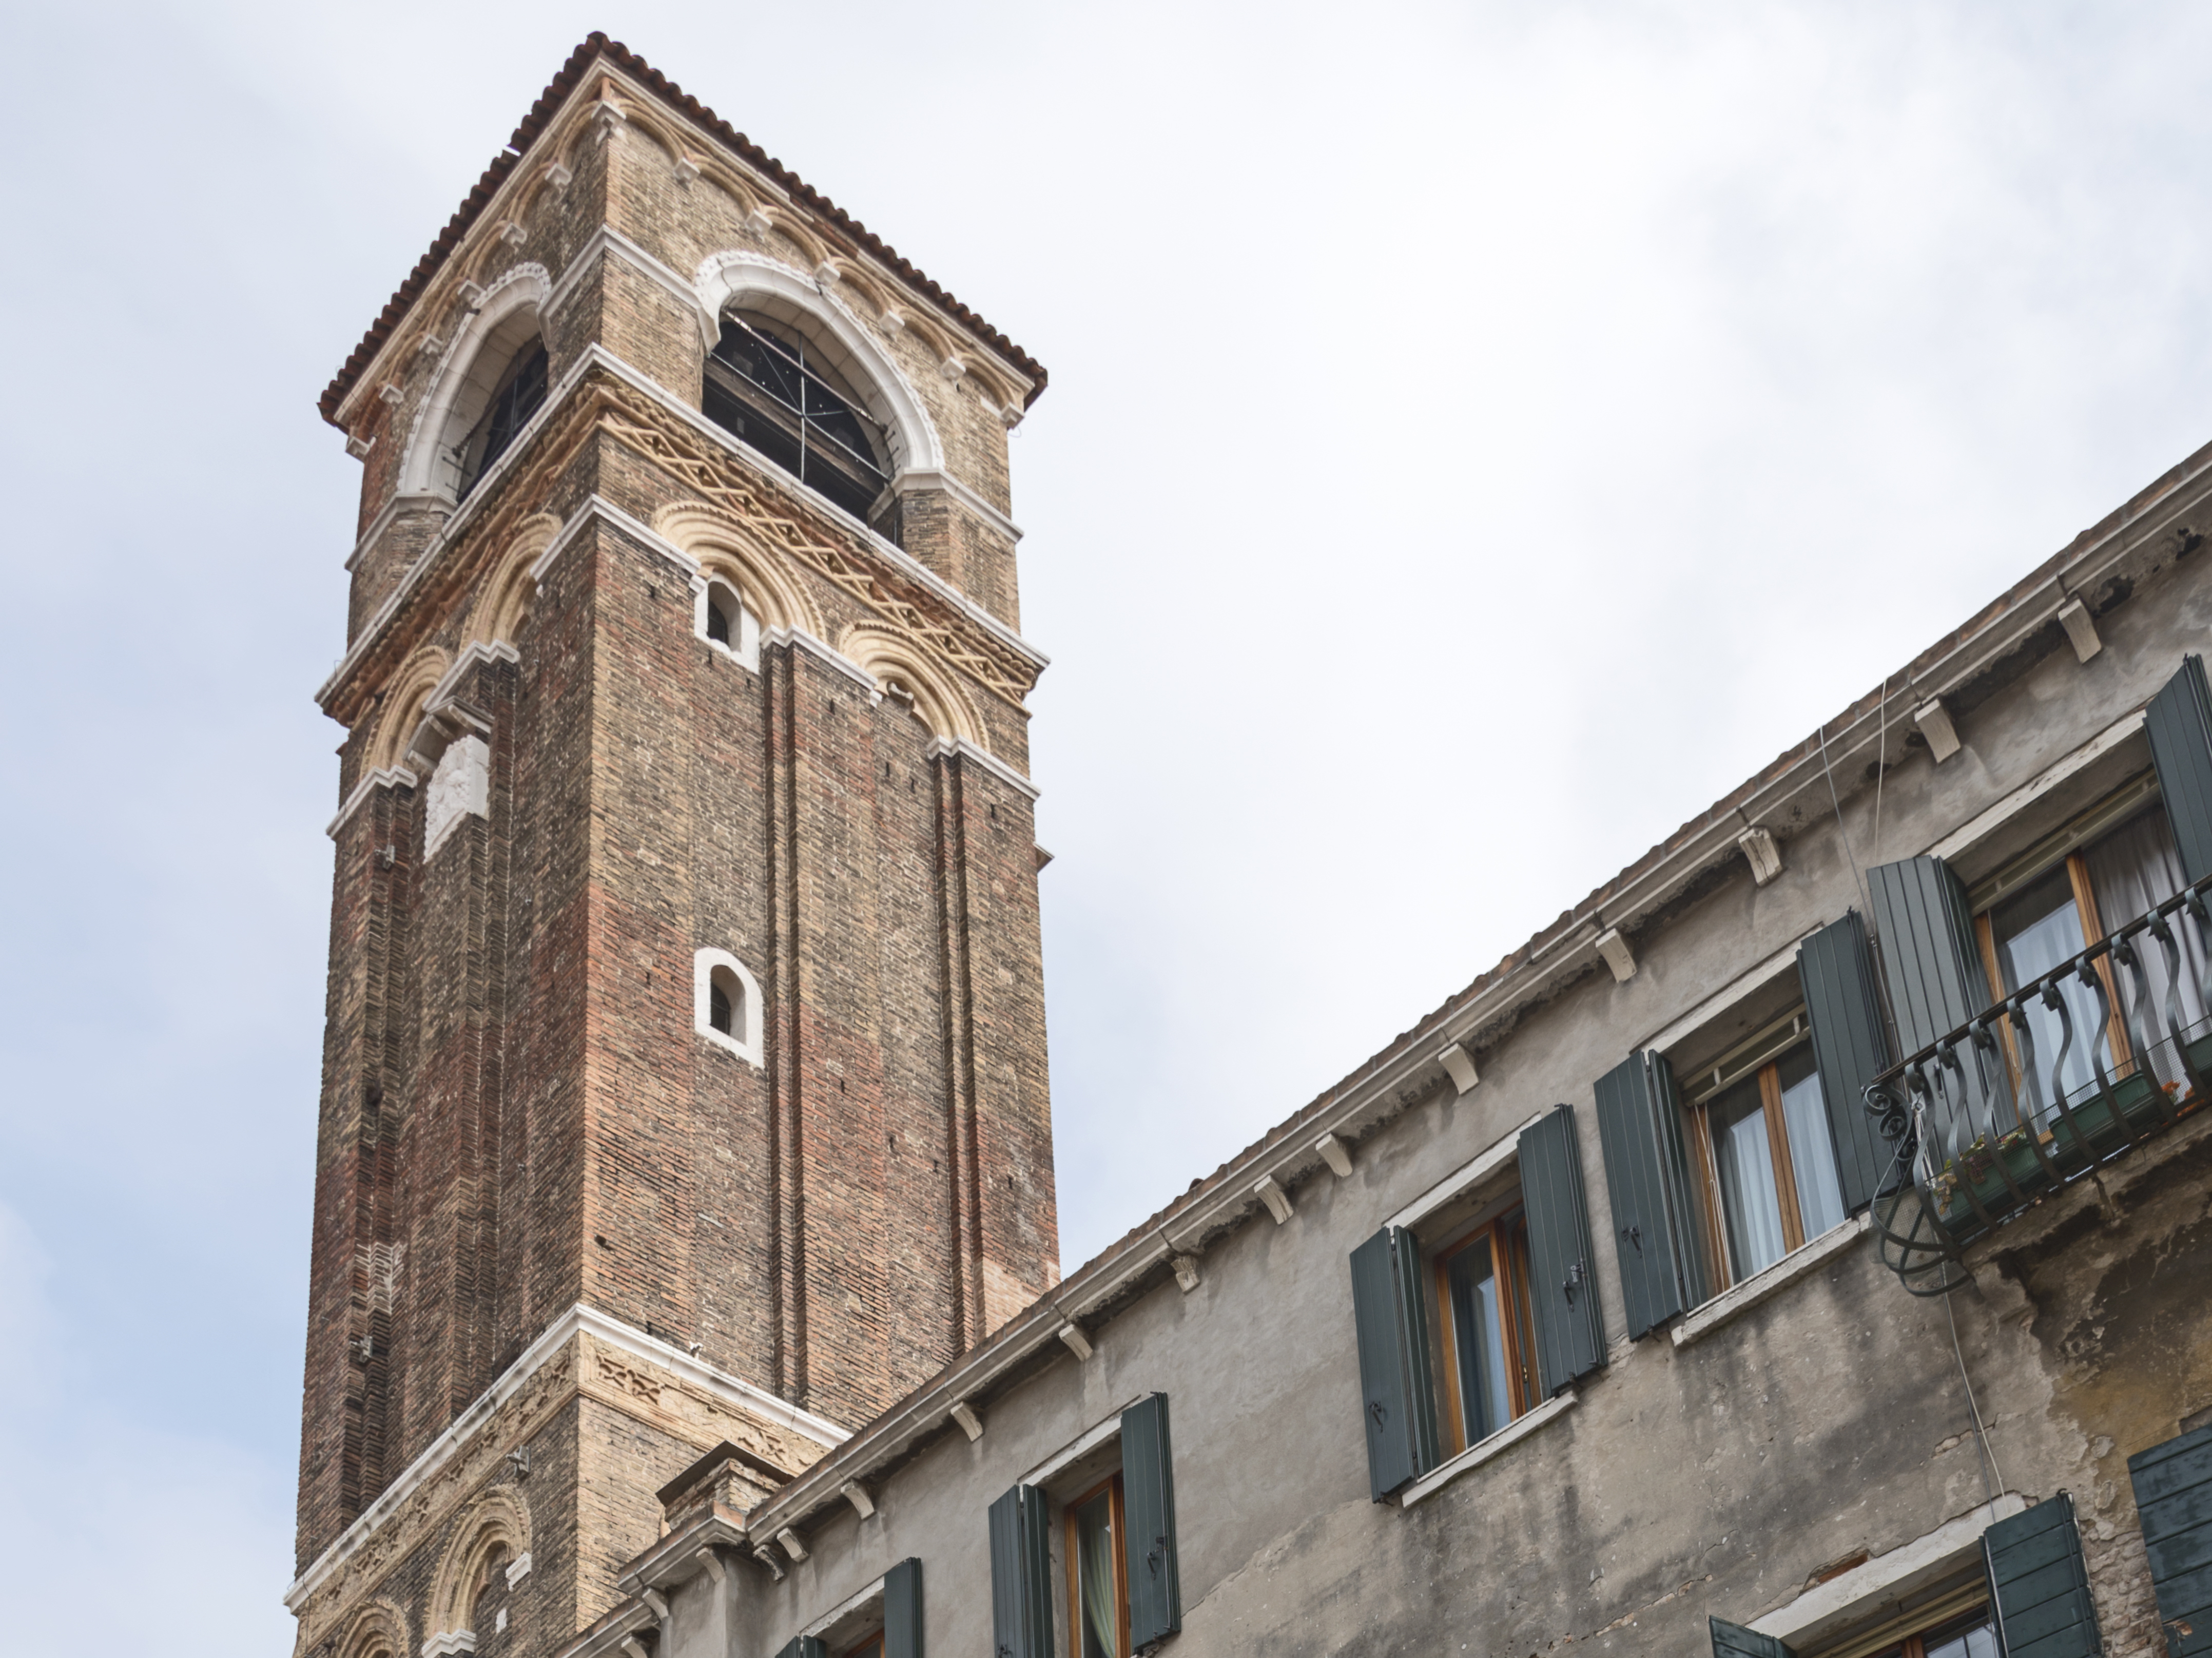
pixel 1802 1246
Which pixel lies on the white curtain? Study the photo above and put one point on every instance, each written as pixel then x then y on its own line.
pixel 2130 870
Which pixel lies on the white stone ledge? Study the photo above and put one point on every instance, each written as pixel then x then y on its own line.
pixel 1828 1608
pixel 1483 1449
pixel 1732 1304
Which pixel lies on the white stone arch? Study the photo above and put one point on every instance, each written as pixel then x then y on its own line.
pixel 744 1037
pixel 755 282
pixel 511 313
pixel 915 678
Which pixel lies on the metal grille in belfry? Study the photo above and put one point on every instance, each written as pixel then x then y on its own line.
pixel 762 388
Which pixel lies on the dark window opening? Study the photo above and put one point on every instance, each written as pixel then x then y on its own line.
pixel 718 1009
pixel 718 621
pixel 520 394
pixel 769 388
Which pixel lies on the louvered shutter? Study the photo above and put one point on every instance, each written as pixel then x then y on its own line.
pixel 2173 1496
pixel 903 1610
pixel 1021 1576
pixel 1734 1641
pixel 1562 1276
pixel 1647 1179
pixel 2178 723
pixel 1851 1048
pixel 1935 978
pixel 1390 1313
pixel 2038 1586
pixel 1148 1542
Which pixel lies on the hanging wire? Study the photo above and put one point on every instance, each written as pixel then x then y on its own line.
pixel 1836 800
pixel 1880 767
pixel 1989 1473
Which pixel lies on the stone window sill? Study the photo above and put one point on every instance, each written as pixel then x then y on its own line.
pixel 1482 1450
pixel 1731 1304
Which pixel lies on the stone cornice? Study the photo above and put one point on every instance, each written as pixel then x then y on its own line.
pixel 839 564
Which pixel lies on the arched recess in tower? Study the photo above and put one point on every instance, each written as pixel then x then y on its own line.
pixel 796 378
pixel 911 678
pixel 495 377
pixel 494 1533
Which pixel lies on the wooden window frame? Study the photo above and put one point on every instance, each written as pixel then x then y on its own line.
pixel 1115 1522
pixel 869 1646
pixel 2093 932
pixel 1915 1644
pixel 1778 1154
pixel 1524 1390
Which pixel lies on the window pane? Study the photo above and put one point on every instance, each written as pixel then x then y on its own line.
pixel 2035 932
pixel 1748 1200
pixel 1974 1639
pixel 1095 1618
pixel 2130 870
pixel 1479 1322
pixel 1812 1146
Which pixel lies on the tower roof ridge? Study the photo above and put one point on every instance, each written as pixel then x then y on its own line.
pixel 595 47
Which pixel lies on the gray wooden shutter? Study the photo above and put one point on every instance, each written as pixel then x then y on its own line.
pixel 1734 1641
pixel 1851 1047
pixel 1647 1180
pixel 1937 982
pixel 903 1610
pixel 2173 1496
pixel 2178 723
pixel 1148 1526
pixel 1562 1273
pixel 1021 1576
pixel 2039 1589
pixel 1390 1315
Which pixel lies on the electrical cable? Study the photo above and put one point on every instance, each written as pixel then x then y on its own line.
pixel 1880 766
pixel 1989 1471
pixel 1836 800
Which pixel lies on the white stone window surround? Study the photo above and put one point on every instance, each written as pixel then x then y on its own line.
pixel 1464 1178
pixel 744 647
pixel 1856 1597
pixel 744 1040
pixel 1483 1449
pixel 1738 1299
pixel 508 317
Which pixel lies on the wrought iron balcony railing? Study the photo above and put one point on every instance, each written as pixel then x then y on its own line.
pixel 1985 1122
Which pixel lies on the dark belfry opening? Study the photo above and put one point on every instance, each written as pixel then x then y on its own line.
pixel 768 387
pixel 520 394
pixel 718 1009
pixel 718 628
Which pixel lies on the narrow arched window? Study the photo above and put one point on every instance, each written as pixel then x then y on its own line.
pixel 718 618
pixel 725 619
pixel 778 392
pixel 727 1004
pixel 519 395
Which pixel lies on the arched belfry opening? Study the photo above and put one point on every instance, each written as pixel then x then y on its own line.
pixel 794 396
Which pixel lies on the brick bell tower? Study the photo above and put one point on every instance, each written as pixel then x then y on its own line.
pixel 684 1074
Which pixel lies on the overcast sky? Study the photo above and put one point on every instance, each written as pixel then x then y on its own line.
pixel 1479 436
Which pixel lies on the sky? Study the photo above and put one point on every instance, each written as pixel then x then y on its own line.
pixel 1479 436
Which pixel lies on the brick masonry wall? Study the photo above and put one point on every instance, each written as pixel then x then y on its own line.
pixel 518 1113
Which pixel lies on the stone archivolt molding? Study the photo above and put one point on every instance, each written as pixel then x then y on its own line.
pixel 740 277
pixel 902 670
pixel 495 318
pixel 378 1630
pixel 726 550
pixel 498 1518
pixel 503 602
pixel 585 1356
pixel 405 700
pixel 696 159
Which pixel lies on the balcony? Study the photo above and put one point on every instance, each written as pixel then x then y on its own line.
pixel 2022 1101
